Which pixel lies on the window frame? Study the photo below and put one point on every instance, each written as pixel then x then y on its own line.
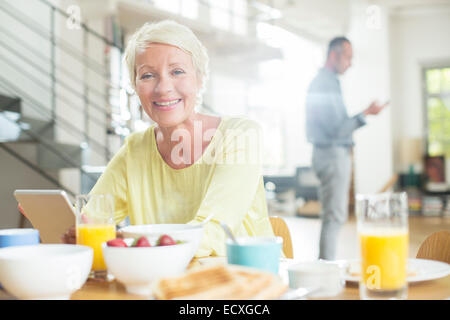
pixel 426 96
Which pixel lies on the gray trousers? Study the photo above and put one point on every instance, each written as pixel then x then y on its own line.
pixel 332 165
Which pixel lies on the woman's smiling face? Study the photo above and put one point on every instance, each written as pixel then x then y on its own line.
pixel 167 83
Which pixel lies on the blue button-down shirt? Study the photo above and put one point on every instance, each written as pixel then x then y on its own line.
pixel 327 121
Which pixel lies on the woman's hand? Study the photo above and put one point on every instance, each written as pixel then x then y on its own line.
pixel 69 237
pixel 21 209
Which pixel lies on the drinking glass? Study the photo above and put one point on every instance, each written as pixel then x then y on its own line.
pixel 95 225
pixel 382 224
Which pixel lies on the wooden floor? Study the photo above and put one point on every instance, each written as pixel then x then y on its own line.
pixel 305 236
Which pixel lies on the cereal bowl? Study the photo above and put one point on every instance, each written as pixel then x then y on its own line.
pixel 44 271
pixel 138 267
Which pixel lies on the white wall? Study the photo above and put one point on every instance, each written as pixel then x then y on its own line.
pixel 388 64
pixel 17 175
pixel 418 39
pixel 369 79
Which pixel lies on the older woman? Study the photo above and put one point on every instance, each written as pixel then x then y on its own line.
pixel 189 165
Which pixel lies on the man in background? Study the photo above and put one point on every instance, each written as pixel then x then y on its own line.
pixel 330 130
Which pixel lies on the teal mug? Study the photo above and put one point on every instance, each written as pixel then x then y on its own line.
pixel 256 252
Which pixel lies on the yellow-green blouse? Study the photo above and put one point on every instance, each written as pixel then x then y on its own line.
pixel 226 181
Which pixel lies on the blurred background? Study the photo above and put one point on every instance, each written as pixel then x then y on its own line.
pixel 66 104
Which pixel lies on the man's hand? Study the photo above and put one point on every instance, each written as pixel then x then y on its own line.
pixel 375 108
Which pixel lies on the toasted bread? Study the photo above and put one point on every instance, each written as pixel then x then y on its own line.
pixel 220 282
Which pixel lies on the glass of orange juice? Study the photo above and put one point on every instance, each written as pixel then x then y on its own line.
pixel 382 223
pixel 95 225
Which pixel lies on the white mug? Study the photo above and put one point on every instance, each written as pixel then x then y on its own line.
pixel 323 278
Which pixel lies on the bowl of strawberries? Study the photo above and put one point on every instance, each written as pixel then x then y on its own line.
pixel 183 232
pixel 137 262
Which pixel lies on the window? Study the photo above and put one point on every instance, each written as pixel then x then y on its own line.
pixel 220 14
pixel 229 15
pixel 171 6
pixel 186 8
pixel 437 103
pixel 229 95
pixel 189 9
pixel 277 101
pixel 239 18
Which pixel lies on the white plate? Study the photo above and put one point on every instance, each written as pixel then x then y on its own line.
pixel 212 260
pixel 419 270
pixel 284 262
pixel 282 272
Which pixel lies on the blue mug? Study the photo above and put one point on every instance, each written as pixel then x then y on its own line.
pixel 257 252
pixel 18 237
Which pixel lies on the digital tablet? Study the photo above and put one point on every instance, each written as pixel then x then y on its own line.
pixel 49 211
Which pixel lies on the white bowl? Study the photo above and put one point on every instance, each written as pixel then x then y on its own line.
pixel 138 267
pixel 44 271
pixel 184 232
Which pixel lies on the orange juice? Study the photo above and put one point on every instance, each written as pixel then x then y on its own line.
pixel 384 256
pixel 93 235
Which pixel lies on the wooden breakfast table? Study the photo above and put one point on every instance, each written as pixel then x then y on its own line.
pixel 437 289
pixel 428 290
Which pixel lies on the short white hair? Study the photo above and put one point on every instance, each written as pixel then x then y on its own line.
pixel 171 33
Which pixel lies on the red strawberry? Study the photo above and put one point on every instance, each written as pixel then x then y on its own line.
pixel 116 243
pixel 166 240
pixel 143 242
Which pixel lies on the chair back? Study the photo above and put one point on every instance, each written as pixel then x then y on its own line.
pixel 436 247
pixel 281 229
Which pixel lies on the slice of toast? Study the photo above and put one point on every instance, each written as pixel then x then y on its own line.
pixel 220 282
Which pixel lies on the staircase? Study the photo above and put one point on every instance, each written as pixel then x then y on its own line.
pixel 33 141
pixel 59 106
